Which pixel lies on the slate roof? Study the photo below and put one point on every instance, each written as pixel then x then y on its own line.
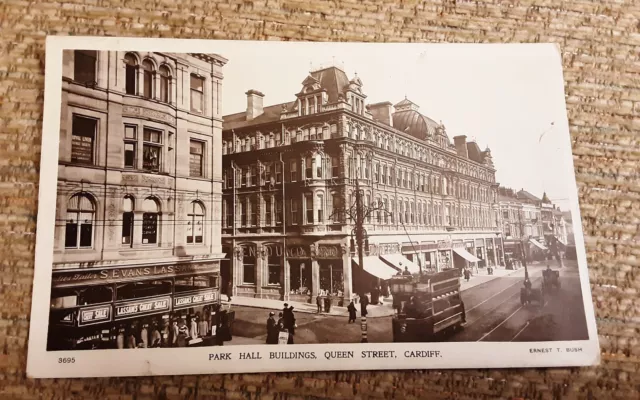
pixel 474 152
pixel 528 196
pixel 333 80
pixel 270 114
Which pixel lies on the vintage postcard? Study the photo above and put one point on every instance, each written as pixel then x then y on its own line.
pixel 226 206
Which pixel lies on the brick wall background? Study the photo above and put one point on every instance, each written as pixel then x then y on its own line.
pixel 599 42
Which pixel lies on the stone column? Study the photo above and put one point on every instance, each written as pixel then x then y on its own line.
pixel 286 278
pixel 495 251
pixel 261 269
pixel 347 274
pixel 315 278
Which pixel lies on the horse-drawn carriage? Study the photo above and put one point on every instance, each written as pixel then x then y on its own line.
pixel 550 280
pixel 529 295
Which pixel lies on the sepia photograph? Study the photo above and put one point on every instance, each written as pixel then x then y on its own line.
pixel 247 193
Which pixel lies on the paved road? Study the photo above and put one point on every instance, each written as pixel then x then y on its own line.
pixel 494 313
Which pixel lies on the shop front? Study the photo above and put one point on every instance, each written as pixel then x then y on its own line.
pixel 481 253
pixel 129 307
pixel 491 254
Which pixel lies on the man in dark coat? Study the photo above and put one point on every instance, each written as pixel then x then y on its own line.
pixel 319 303
pixel 364 302
pixel 352 312
pixel 229 291
pixel 272 330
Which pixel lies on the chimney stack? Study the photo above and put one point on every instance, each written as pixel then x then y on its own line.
pixel 254 104
pixel 461 145
pixel 381 112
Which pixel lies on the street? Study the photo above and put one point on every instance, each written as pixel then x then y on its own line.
pixel 494 313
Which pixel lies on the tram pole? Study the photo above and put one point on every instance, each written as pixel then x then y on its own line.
pixel 360 244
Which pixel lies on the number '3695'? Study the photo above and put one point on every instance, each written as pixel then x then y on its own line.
pixel 66 360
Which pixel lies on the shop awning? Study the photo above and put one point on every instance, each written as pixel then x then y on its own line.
pixel 538 244
pixel 561 242
pixel 376 267
pixel 398 261
pixel 465 254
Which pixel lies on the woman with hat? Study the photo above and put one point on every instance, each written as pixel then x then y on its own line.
pixel 272 329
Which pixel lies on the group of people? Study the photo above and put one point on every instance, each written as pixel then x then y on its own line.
pixel 286 323
pixel 176 332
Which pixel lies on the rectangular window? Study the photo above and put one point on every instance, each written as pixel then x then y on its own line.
pixel 254 176
pixel 229 213
pixel 267 174
pixel 320 208
pixel 278 210
pixel 294 211
pixel 318 103
pixel 130 146
pixel 164 87
pixel 149 228
pixel 273 263
pixel 83 136
pixel 127 227
pixel 310 105
pixel 308 200
pixel 293 167
pixel 243 213
pixel 230 178
pixel 254 212
pixel 335 165
pixel 196 158
pixel 249 269
pixel 308 168
pixel 377 176
pixel 84 66
pixel 243 173
pixel 278 173
pixel 152 150
pixel 267 211
pixel 197 94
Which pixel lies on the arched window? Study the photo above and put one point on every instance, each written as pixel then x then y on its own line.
pixel 131 73
pixel 148 79
pixel 195 223
pixel 165 84
pixel 79 226
pixel 150 217
pixel 128 205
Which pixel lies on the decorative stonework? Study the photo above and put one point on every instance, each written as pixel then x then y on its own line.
pixel 147 113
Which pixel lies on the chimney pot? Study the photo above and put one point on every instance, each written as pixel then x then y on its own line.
pixel 461 145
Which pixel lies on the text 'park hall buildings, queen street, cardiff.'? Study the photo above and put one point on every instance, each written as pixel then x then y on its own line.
pixel 290 173
pixel 137 234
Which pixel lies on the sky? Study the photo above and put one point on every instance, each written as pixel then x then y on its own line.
pixel 507 97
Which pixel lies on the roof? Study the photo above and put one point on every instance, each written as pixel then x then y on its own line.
pixel 270 114
pixel 567 216
pixel 333 80
pixel 408 119
pixel 474 152
pixel 528 196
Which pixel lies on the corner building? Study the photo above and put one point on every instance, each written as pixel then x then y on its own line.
pixel 291 169
pixel 137 234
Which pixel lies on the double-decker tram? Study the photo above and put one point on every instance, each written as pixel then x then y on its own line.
pixel 428 306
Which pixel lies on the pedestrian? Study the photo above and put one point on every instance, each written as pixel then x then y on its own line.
pixel 292 325
pixel 364 302
pixel 319 303
pixel 272 329
pixel 467 274
pixel 280 322
pixel 352 312
pixel 329 299
pixel 183 333
pixel 406 271
pixel 229 291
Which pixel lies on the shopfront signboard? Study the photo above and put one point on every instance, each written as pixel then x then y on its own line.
pixel 94 315
pixel 137 308
pixel 198 298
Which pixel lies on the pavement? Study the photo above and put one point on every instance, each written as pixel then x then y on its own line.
pixel 374 311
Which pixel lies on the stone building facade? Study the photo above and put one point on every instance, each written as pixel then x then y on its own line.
pixel 290 172
pixel 139 187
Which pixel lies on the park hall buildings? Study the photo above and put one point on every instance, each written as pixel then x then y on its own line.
pixel 137 234
pixel 289 175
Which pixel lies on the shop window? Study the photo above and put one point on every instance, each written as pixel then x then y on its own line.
pixel 148 79
pixel 131 74
pixel 197 94
pixel 84 66
pixel 300 278
pixel 196 158
pixel 95 295
pixel 249 266
pixel 150 221
pixel 331 279
pixel 80 222
pixel 165 84
pixel 127 220
pixel 195 223
pixel 83 136
pixel 273 266
pixel 152 150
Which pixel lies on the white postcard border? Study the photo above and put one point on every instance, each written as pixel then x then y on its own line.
pixel 133 362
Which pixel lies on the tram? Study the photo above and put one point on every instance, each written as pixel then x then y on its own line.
pixel 427 306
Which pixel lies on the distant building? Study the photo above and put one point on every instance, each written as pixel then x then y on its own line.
pixel 137 236
pixel 290 171
pixel 521 224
